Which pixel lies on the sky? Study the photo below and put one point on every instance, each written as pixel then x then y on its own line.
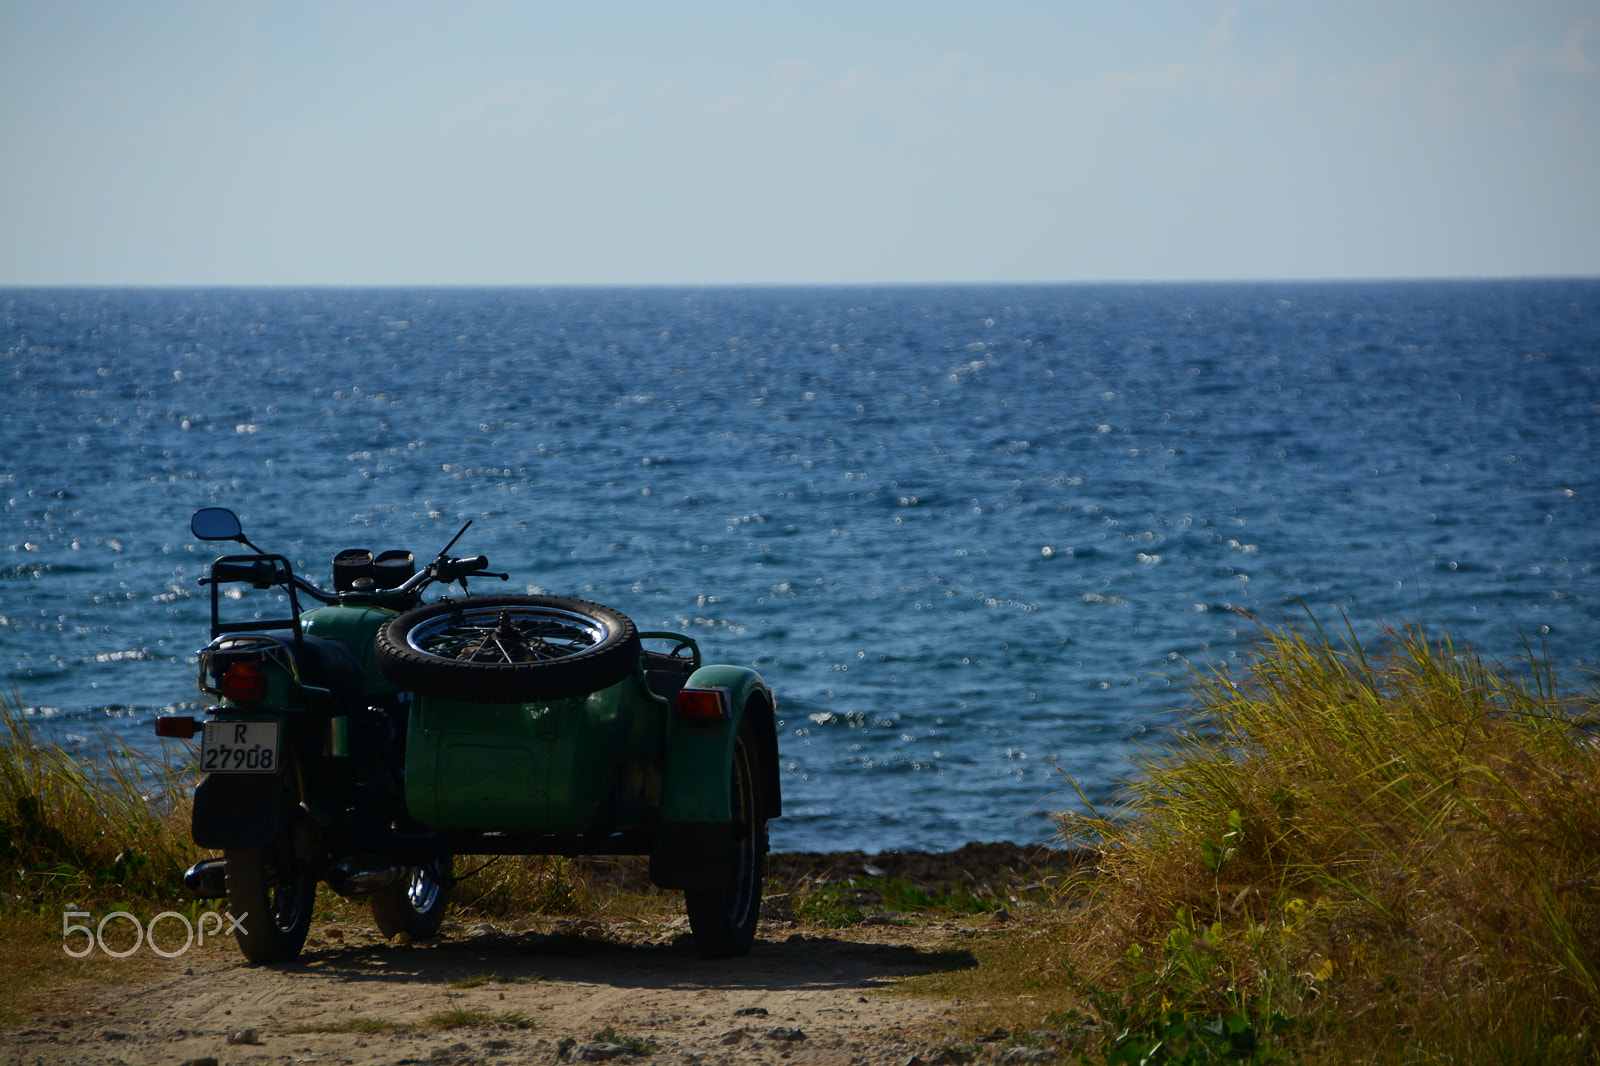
pixel 352 142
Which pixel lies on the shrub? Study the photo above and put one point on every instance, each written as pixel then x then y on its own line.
pixel 1397 850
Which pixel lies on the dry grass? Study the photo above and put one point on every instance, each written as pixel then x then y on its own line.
pixel 1387 855
pixel 100 836
pixel 111 830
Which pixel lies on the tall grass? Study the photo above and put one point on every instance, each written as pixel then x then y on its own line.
pixel 1374 855
pixel 109 828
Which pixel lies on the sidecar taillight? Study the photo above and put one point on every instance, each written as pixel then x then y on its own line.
pixel 244 682
pixel 702 705
pixel 180 726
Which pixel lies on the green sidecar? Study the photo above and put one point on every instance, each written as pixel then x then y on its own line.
pixel 368 741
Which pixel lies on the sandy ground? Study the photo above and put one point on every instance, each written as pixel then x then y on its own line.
pixel 545 992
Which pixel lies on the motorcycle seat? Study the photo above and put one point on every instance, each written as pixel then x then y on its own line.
pixel 323 662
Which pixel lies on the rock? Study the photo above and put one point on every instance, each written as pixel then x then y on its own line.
pixel 600 1052
pixel 583 927
pixel 785 1033
pixel 114 1034
pixel 951 1056
pixel 778 908
pixel 204 1060
pixel 244 1036
pixel 733 1036
pixel 750 1012
pixel 1023 1056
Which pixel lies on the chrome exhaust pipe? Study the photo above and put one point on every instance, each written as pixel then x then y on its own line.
pixel 207 878
pixel 357 877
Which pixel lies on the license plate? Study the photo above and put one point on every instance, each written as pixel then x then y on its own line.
pixel 240 747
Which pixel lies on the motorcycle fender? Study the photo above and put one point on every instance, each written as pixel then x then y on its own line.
pixel 694 785
pixel 239 811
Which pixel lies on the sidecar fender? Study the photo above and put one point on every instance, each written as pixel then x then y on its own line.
pixel 693 845
pixel 700 753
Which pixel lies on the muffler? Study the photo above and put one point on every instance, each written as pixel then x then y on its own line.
pixel 207 878
pixel 357 877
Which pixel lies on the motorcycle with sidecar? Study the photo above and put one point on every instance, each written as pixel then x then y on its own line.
pixel 369 740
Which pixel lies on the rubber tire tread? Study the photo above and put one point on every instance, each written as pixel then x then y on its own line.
pixel 393 913
pixel 594 668
pixel 261 938
pixel 723 921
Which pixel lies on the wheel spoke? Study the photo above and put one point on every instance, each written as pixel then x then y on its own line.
pixel 508 649
pixel 506 635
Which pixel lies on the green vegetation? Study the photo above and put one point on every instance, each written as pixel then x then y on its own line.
pixel 832 906
pixel 515 884
pixel 901 895
pixel 106 833
pixel 457 1018
pixel 101 836
pixel 1344 855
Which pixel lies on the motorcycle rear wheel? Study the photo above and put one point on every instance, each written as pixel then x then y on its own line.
pixel 417 904
pixel 508 649
pixel 271 900
pixel 723 921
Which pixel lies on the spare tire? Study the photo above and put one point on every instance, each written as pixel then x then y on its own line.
pixel 508 649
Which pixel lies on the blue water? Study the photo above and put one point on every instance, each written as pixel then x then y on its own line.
pixel 970 535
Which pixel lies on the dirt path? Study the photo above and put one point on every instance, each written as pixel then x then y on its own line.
pixel 490 994
pixel 556 990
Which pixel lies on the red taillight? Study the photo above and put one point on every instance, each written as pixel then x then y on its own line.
pixel 182 727
pixel 244 682
pixel 702 704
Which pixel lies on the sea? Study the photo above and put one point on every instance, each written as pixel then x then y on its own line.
pixel 979 539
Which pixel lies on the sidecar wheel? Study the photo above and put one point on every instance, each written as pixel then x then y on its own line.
pixel 416 905
pixel 723 921
pixel 271 900
pixel 508 649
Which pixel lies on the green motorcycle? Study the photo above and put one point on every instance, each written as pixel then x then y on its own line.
pixel 369 740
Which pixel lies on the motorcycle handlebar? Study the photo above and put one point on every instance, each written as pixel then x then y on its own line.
pixel 263 574
pixel 451 569
pixel 315 593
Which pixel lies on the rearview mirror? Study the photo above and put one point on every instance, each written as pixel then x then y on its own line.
pixel 216 523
